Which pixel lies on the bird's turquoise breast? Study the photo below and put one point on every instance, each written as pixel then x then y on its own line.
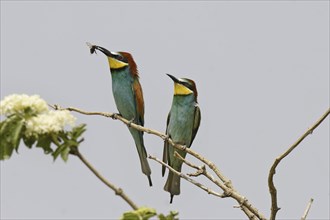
pixel 181 119
pixel 123 93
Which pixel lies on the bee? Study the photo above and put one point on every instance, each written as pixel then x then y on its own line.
pixel 92 48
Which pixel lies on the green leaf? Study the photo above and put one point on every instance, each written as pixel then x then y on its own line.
pixel 69 140
pixel 78 131
pixel 161 217
pixel 10 135
pixel 171 216
pixel 44 142
pixel 59 150
pixel 130 216
pixel 17 133
pixel 146 212
pixel 29 141
pixel 65 154
pixel 143 213
pixel 6 149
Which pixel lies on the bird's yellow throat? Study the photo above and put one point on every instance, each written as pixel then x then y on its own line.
pixel 181 89
pixel 116 64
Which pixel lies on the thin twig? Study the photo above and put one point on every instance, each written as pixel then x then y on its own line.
pixel 198 172
pixel 309 205
pixel 118 191
pixel 247 212
pixel 208 190
pixel 177 155
pixel 228 192
pixel 272 171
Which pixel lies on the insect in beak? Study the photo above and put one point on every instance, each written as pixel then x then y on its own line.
pixel 92 48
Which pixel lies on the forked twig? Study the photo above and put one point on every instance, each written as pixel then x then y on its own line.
pixel 272 171
pixel 208 190
pixel 227 191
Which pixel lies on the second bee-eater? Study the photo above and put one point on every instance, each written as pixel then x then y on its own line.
pixel 182 125
pixel 128 96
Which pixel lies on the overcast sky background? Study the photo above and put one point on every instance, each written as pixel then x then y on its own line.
pixel 262 73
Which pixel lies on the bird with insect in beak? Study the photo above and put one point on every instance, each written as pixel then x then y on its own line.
pixel 128 96
pixel 182 125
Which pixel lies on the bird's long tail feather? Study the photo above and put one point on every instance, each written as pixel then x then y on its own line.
pixel 172 185
pixel 138 138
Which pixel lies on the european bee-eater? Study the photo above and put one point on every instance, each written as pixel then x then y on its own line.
pixel 128 96
pixel 182 125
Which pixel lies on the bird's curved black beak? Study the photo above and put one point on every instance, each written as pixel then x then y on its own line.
pixel 93 49
pixel 176 80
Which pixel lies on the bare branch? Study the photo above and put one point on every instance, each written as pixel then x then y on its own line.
pixel 272 171
pixel 208 190
pixel 228 187
pixel 118 191
pixel 114 116
pixel 309 205
pixel 227 191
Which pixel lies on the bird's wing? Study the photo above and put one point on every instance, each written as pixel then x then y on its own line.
pixel 138 94
pixel 165 150
pixel 197 121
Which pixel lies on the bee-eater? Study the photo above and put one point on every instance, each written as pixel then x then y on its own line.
pixel 128 96
pixel 182 125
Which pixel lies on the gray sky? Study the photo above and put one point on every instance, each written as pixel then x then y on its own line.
pixel 262 73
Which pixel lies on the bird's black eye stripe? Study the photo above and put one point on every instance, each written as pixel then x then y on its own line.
pixel 187 85
pixel 119 57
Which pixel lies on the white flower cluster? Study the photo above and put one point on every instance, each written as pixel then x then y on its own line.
pixel 53 121
pixel 18 104
pixel 44 122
